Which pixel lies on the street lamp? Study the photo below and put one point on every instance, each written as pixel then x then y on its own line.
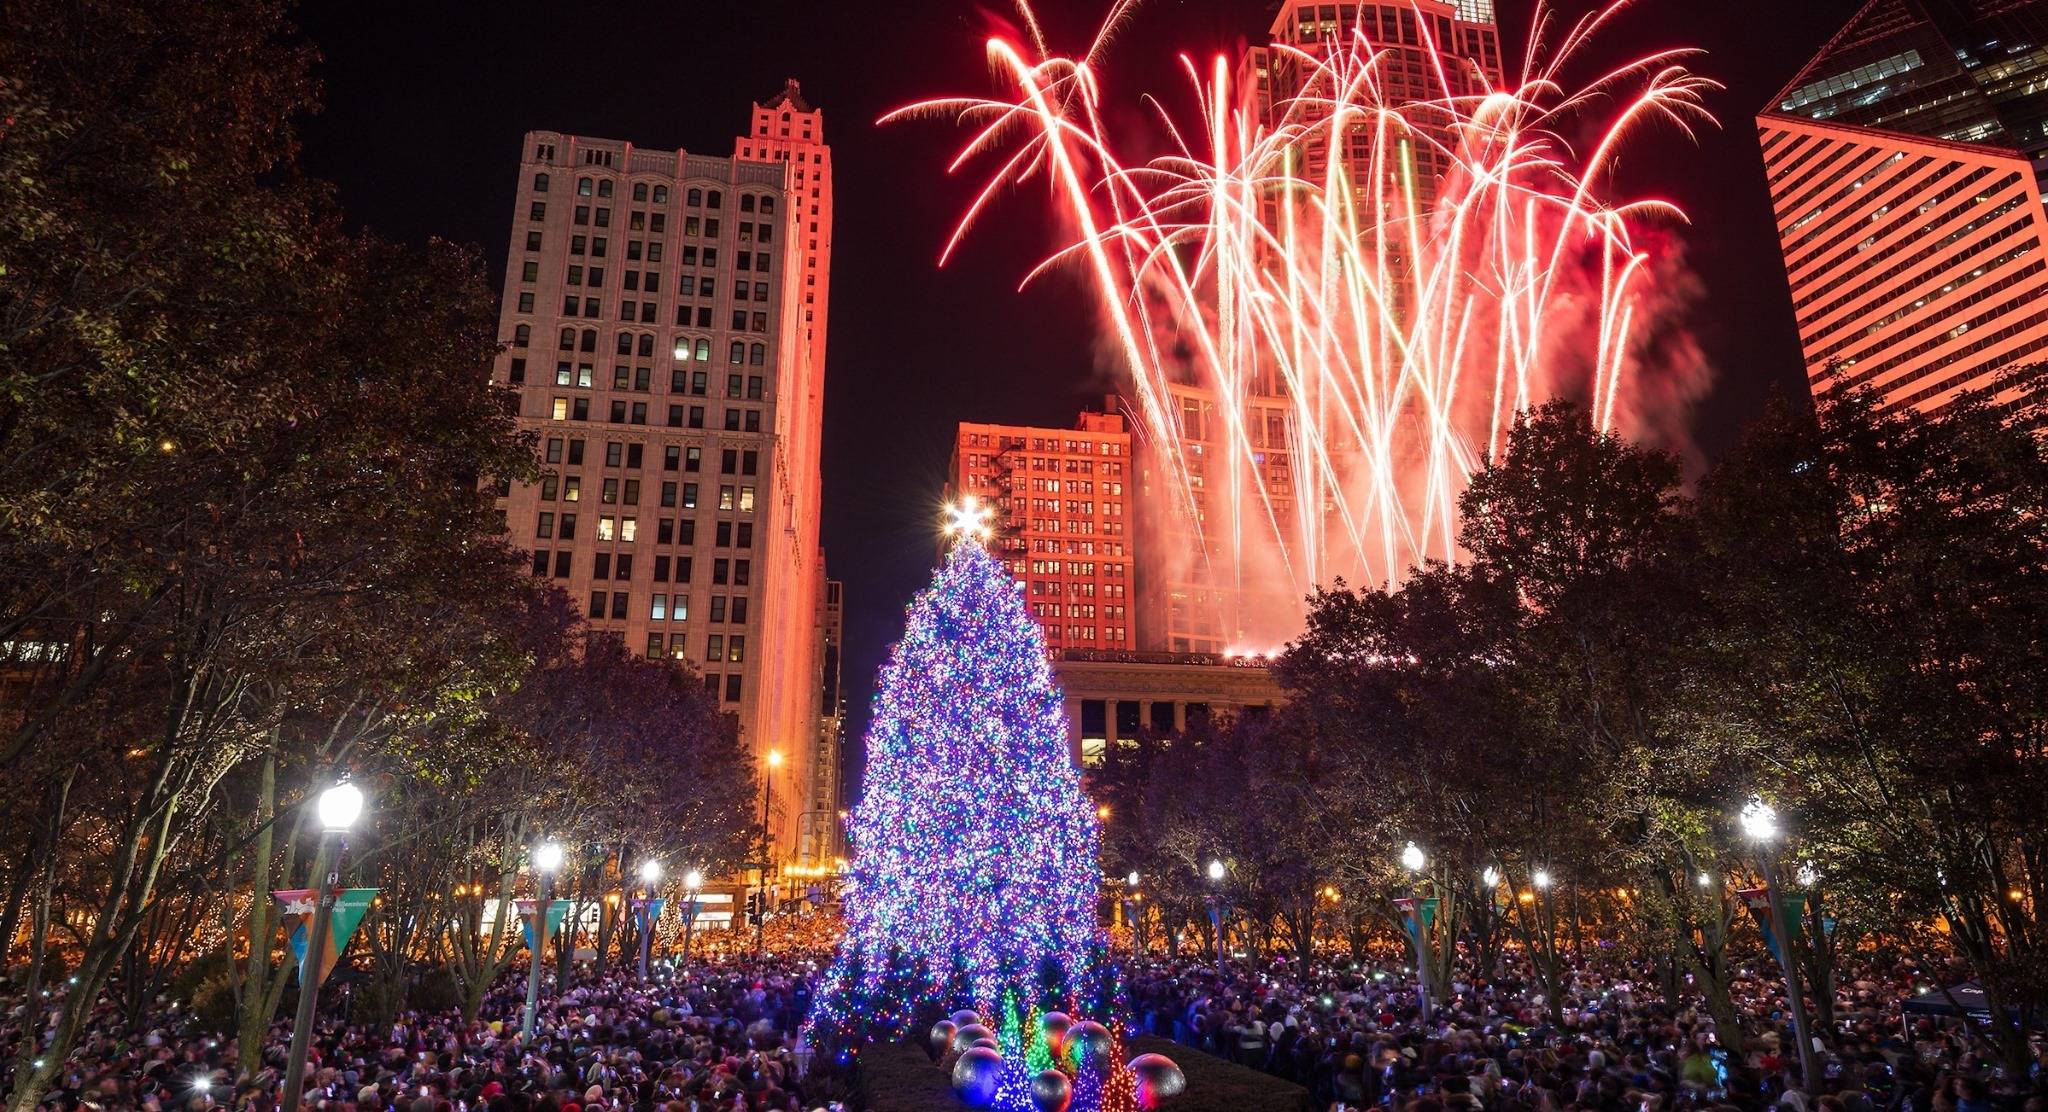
pixel 337 808
pixel 1540 878
pixel 1414 860
pixel 1216 874
pixel 650 875
pixel 1130 908
pixel 692 882
pixel 546 858
pixel 761 913
pixel 1759 821
pixel 1490 877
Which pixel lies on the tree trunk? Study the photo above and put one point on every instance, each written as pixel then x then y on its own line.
pixel 254 1004
pixel 17 896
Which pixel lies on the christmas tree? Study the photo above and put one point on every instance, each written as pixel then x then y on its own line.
pixel 974 874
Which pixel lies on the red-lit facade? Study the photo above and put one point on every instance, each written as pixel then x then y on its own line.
pixel 1917 267
pixel 664 316
pixel 1905 164
pixel 1062 521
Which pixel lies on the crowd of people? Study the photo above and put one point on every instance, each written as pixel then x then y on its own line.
pixel 722 1035
pixel 1355 1035
pixel 713 1036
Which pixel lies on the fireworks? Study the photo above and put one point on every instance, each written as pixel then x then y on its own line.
pixel 1331 299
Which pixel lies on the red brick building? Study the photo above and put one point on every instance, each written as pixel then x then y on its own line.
pixel 1062 500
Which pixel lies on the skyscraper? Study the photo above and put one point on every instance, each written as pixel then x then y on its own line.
pixel 821 833
pixel 1433 49
pixel 1905 164
pixel 664 314
pixel 1201 591
pixel 1062 502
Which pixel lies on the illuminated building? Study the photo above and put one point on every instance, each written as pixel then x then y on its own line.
pixel 664 320
pixel 1062 499
pixel 1434 49
pixel 1905 164
pixel 1117 696
pixel 820 834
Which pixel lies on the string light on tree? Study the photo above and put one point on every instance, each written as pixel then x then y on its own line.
pixel 975 872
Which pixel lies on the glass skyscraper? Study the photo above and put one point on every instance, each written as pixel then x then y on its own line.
pixel 1905 165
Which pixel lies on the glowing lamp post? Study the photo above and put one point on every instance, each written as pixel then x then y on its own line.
pixel 338 808
pixel 774 761
pixel 1414 860
pixel 693 882
pixel 1216 874
pixel 546 859
pixel 1132 911
pixel 1759 822
pixel 650 875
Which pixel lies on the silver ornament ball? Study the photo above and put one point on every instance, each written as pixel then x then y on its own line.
pixel 1088 1043
pixel 1157 1079
pixel 942 1035
pixel 1051 1091
pixel 1054 1026
pixel 976 1075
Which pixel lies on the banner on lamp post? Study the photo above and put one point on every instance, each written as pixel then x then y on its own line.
pixel 557 910
pixel 1791 909
pixel 647 911
pixel 1417 914
pixel 296 907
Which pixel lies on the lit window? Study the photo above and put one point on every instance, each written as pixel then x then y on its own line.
pixel 606 527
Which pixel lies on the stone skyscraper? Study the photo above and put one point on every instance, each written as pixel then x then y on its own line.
pixel 664 313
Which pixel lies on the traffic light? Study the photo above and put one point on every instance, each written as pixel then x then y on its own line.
pixel 754 909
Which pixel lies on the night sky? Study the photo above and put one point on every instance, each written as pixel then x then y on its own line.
pixel 426 103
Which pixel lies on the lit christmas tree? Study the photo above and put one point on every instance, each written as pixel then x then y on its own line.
pixel 974 875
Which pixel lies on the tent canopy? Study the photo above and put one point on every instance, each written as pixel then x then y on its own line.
pixel 1966 999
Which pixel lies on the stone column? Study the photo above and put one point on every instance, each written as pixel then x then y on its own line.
pixel 1074 729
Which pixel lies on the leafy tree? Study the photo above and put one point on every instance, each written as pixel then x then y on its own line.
pixel 1882 581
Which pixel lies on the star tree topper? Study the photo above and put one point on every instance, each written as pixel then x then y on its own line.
pixel 967 519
